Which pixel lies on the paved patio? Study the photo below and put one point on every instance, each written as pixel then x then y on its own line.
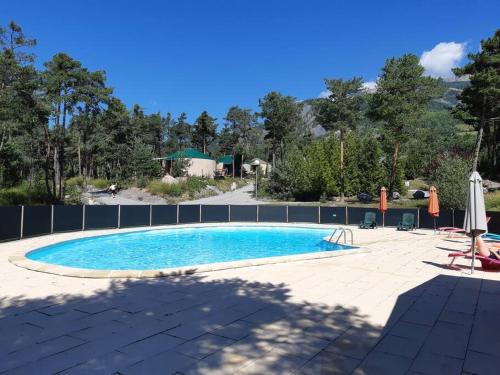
pixel 395 310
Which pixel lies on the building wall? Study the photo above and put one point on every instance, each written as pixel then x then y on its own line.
pixel 201 168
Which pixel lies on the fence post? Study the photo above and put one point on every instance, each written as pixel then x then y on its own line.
pixel 287 213
pixel 200 213
pixel 177 214
pixel 319 214
pixel 418 218
pixel 229 213
pixel 22 223
pixel 452 217
pixel 51 218
pixel 150 215
pixel 119 215
pixel 257 213
pixel 346 216
pixel 83 218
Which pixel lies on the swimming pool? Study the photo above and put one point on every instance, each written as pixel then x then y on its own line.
pixel 181 247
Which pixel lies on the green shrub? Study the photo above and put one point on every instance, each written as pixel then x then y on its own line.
pixel 73 189
pixel 190 186
pixel 24 194
pixel 451 181
pixel 194 184
pixel 99 183
pixel 179 167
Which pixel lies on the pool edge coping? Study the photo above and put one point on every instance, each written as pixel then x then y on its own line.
pixel 19 258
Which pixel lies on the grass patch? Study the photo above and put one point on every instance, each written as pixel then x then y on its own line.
pixel 492 201
pixel 187 188
pixel 224 185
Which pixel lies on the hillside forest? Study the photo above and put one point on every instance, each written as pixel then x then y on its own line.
pixel 63 122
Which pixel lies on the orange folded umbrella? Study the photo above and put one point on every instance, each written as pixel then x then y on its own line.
pixel 382 206
pixel 433 208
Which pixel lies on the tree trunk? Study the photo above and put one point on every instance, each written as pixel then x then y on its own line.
pixel 342 177
pixel 495 143
pixel 393 169
pixel 241 164
pixel 55 175
pixel 479 137
pixel 79 158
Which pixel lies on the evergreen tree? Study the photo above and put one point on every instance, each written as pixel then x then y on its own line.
pixel 480 102
pixel 403 93
pixel 340 112
pixel 204 131
pixel 281 116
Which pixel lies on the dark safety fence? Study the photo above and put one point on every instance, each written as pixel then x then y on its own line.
pixel 27 221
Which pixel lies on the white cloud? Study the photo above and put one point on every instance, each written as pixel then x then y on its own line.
pixel 370 86
pixel 324 94
pixel 439 61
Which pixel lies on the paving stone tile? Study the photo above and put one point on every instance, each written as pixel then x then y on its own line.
pixel 326 363
pixel 482 364
pixel 193 330
pixel 151 345
pixel 104 316
pixel 236 330
pixel 430 364
pixel 94 307
pixel 167 362
pixel 410 330
pixel 455 317
pixel 18 336
pixel 354 343
pixel 267 315
pixel 250 348
pixel 482 340
pixel 104 329
pixel 383 363
pixel 273 363
pixel 401 346
pixel 107 364
pixel 448 339
pixel 38 351
pixel 203 346
pixel 305 348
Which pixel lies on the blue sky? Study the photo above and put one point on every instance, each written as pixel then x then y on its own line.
pixel 211 54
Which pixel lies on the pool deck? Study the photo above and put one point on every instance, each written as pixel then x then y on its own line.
pixel 396 309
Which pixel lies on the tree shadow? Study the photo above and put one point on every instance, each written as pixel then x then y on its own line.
pixel 192 325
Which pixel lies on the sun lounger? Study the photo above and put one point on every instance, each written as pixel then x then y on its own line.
pixel 486 262
pixel 407 222
pixel 370 221
pixel 455 230
pixel 491 236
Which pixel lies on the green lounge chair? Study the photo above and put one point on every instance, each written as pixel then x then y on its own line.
pixel 407 222
pixel 370 221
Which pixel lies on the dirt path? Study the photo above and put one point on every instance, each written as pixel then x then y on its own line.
pixel 136 196
pixel 243 195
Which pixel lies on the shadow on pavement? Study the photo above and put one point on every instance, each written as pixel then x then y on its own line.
pixel 190 325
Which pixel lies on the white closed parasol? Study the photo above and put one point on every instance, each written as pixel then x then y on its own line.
pixel 475 212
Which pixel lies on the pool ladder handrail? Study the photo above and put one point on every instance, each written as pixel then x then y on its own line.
pixel 342 231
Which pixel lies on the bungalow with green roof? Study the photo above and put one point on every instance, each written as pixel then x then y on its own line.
pixel 200 164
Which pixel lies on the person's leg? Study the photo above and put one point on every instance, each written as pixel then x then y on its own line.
pixel 482 248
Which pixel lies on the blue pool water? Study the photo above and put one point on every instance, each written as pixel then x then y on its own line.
pixel 178 247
